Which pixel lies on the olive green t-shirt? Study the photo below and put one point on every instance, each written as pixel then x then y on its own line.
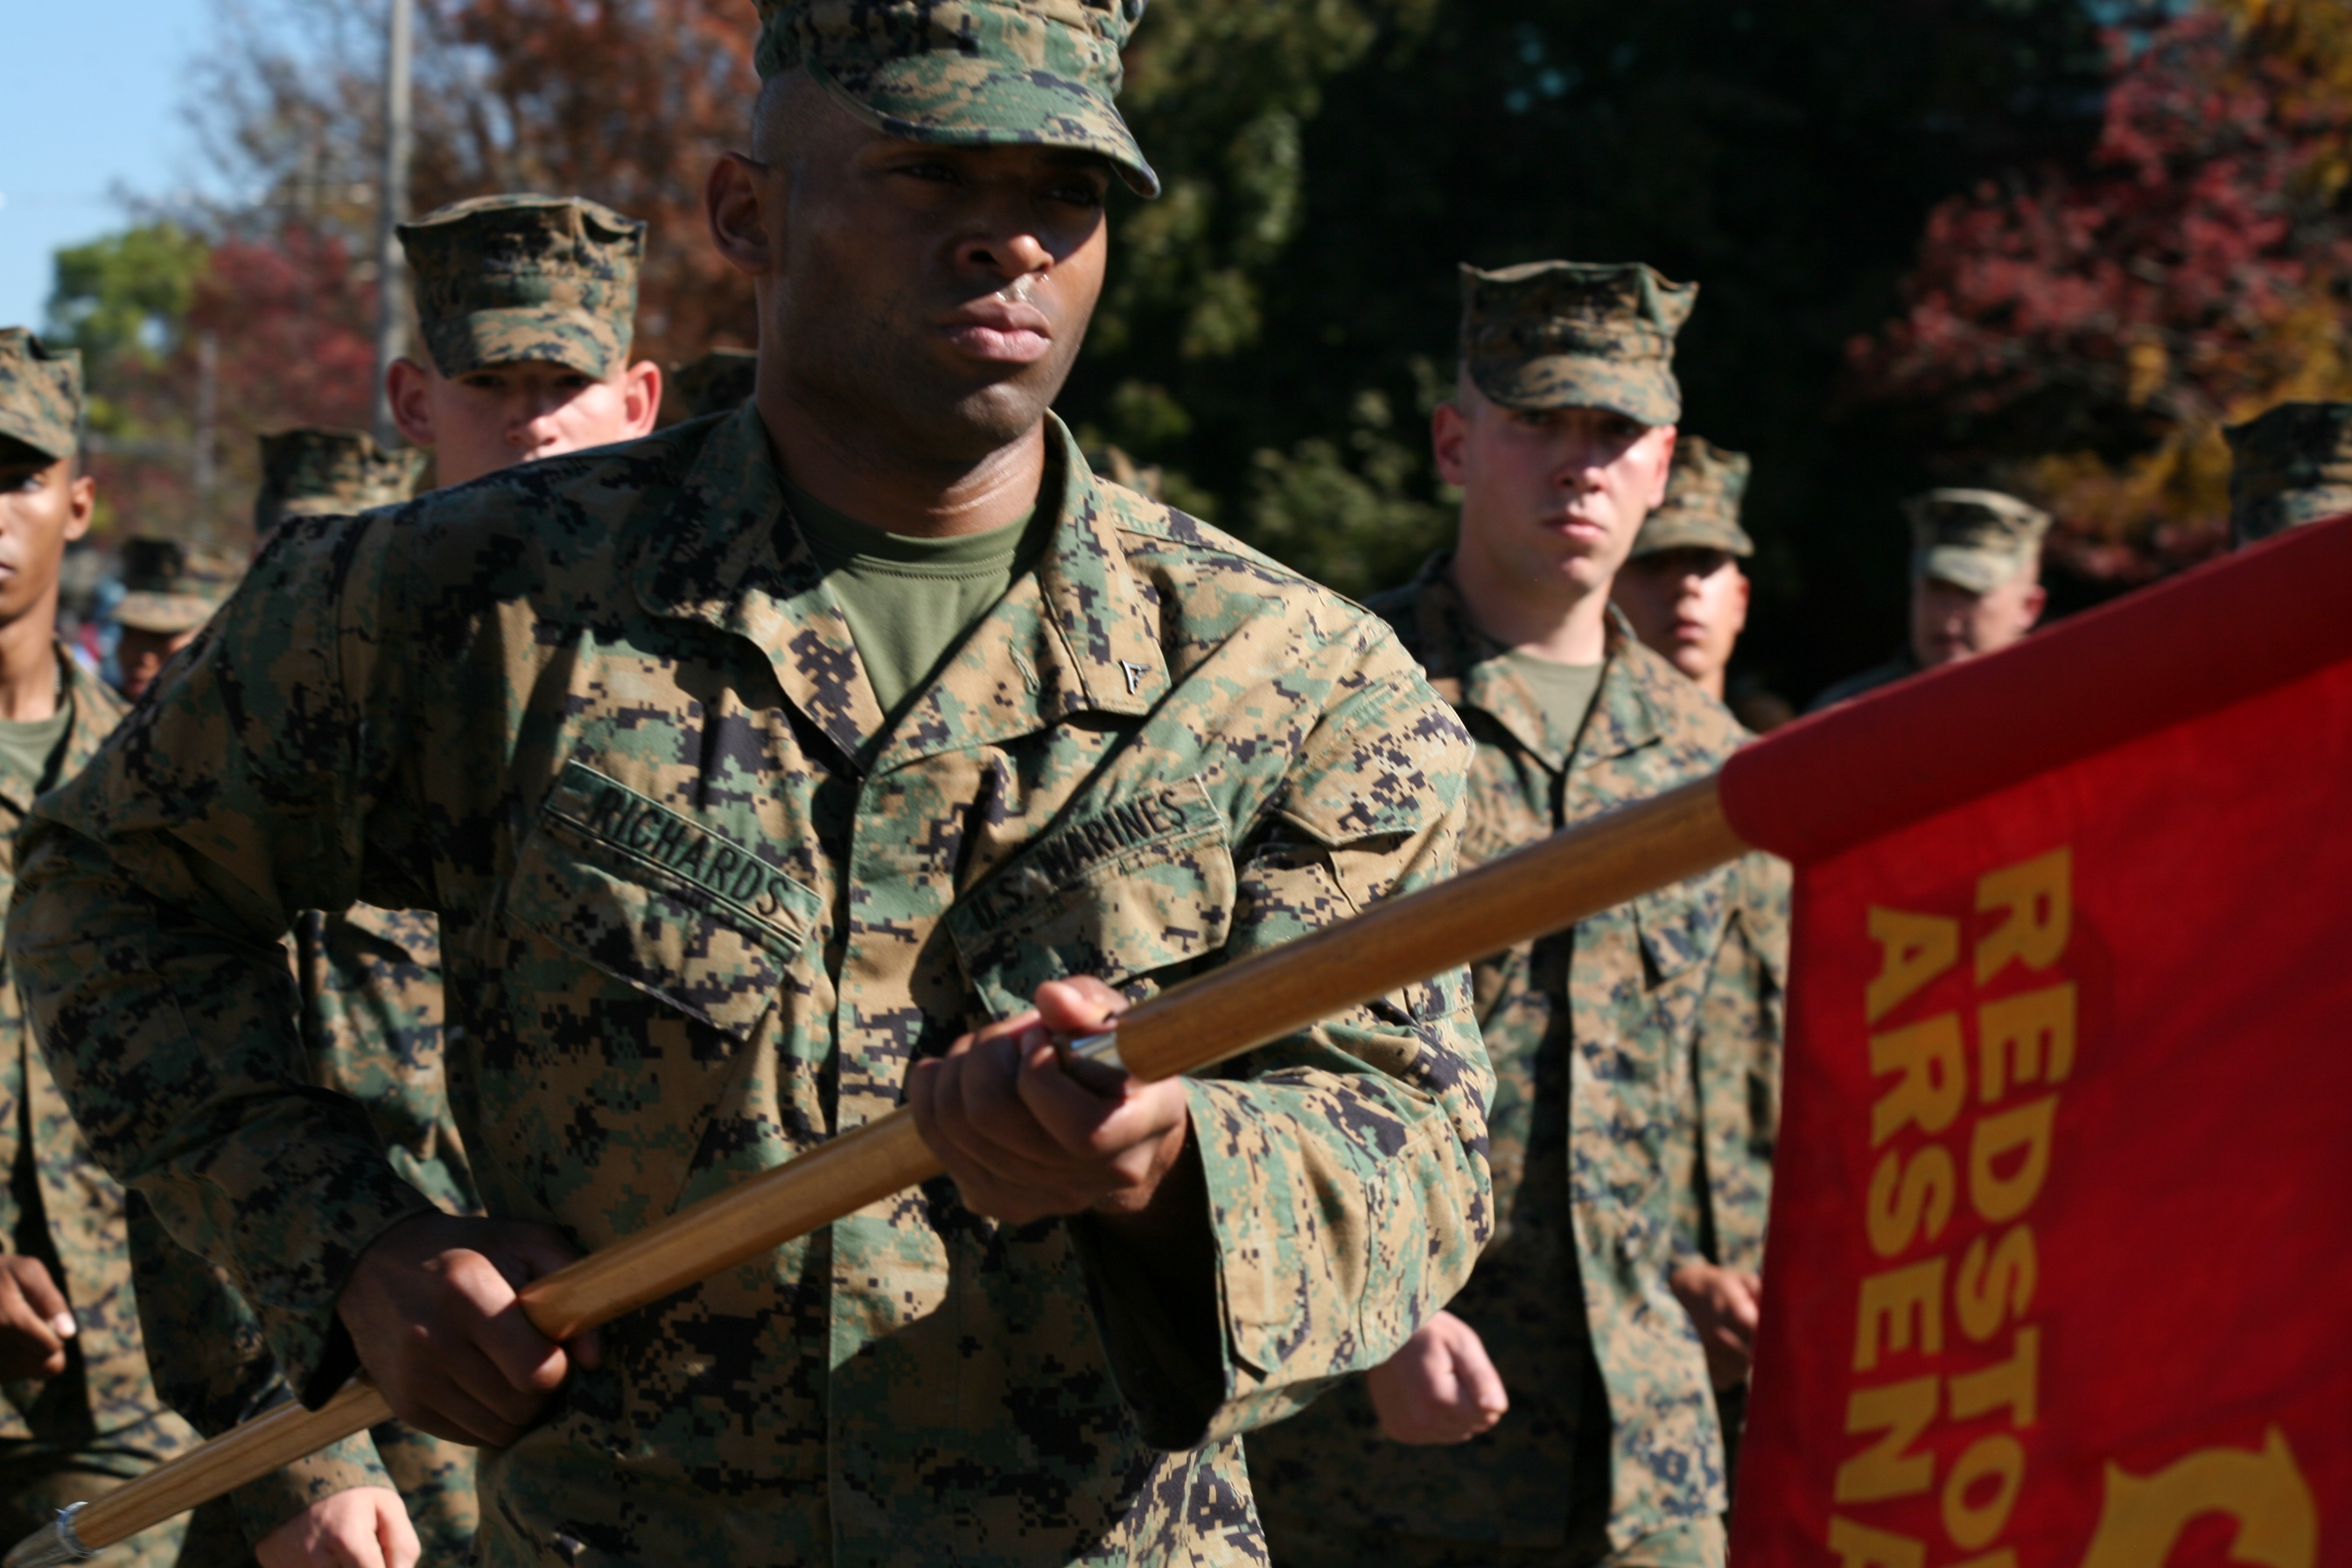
pixel 28 750
pixel 1564 691
pixel 909 601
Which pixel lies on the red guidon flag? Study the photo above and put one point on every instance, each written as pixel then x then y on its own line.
pixel 2061 1263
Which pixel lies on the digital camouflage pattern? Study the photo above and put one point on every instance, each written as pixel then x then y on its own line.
pixel 1576 335
pixel 700 913
pixel 1636 1060
pixel 171 587
pixel 2290 465
pixel 40 394
pixel 511 278
pixel 718 381
pixel 1701 510
pixel 969 73
pixel 313 471
pixel 1975 539
pixel 102 1414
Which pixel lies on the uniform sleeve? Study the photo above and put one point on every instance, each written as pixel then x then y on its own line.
pixel 1345 1167
pixel 1735 1062
pixel 153 892
pixel 212 1364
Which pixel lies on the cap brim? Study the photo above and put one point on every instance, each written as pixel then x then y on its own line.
pixel 967 101
pixel 1969 569
pixel 528 334
pixel 166 614
pixel 1569 381
pixel 1661 533
pixel 38 435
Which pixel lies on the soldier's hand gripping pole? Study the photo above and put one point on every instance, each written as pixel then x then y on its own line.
pixel 1188 1027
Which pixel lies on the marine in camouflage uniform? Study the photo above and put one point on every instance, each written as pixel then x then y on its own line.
pixel 372 1028
pixel 705 907
pixel 98 1422
pixel 2291 465
pixel 1636 1060
pixel 170 590
pixel 1975 540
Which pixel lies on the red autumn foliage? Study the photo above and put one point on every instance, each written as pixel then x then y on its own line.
pixel 2083 334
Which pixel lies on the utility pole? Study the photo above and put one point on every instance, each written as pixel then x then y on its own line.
pixel 392 205
pixel 202 476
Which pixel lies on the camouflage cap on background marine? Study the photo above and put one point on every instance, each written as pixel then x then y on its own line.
pixel 171 587
pixel 720 379
pixel 968 73
pixel 1975 539
pixel 502 280
pixel 40 394
pixel 2290 465
pixel 1701 510
pixel 311 472
pixel 1576 335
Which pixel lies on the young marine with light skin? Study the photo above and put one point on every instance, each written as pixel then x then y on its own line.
pixel 1976 584
pixel 1681 587
pixel 473 400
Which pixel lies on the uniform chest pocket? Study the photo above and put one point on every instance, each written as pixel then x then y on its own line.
pixel 684 910
pixel 1681 926
pixel 1135 886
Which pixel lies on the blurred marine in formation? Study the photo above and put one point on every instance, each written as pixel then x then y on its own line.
pixel 528 306
pixel 1682 588
pixel 2290 465
pixel 1636 1056
pixel 762 774
pixel 372 1027
pixel 170 591
pixel 81 1416
pixel 1976 584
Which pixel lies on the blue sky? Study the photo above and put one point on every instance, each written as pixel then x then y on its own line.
pixel 92 108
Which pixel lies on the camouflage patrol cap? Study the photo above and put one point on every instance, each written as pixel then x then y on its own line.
pixel 1575 334
pixel 40 394
pixel 1975 539
pixel 2291 465
pixel 968 73
pixel 315 472
pixel 171 587
pixel 720 379
pixel 1701 510
pixel 502 280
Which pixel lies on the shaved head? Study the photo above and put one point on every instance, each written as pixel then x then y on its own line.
pixel 783 118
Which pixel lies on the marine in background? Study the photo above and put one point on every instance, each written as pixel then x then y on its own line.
pixel 78 1414
pixel 769 774
pixel 1976 584
pixel 170 590
pixel 527 308
pixel 313 471
pixel 2290 465
pixel 1559 1412
pixel 718 381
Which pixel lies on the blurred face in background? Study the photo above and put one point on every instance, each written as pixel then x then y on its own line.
pixel 501 415
pixel 140 656
pixel 1550 497
pixel 1690 603
pixel 45 504
pixel 1949 623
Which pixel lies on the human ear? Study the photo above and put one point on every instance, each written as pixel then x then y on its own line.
pixel 407 382
pixel 1449 435
pixel 642 389
pixel 739 225
pixel 2030 605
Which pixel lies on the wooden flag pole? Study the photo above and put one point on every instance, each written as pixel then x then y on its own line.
pixel 1544 887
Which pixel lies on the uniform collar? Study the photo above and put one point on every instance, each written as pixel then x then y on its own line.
pixel 1469 668
pixel 96 710
pixel 1074 634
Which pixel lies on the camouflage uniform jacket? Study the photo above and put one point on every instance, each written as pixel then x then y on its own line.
pixel 372 1021
pixel 698 914
pixel 1608 1040
pixel 78 1228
